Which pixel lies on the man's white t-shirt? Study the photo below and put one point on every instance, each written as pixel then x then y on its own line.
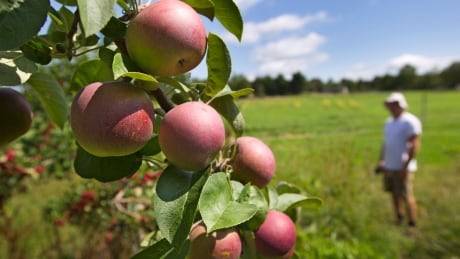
pixel 396 133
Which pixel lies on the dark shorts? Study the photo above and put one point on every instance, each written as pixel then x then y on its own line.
pixel 393 183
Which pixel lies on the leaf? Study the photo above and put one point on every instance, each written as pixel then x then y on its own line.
pixel 67 2
pixel 217 208
pixel 162 250
pixel 175 202
pixel 20 21
pixel 15 68
pixel 107 55
pixel 141 76
pixel 94 15
pixel 89 72
pixel 61 21
pixel 272 197
pixel 237 187
pixel 51 96
pixel 227 107
pixel 289 201
pixel 151 148
pixel 253 195
pixel 37 51
pixel 204 7
pixel 229 16
pixel 122 65
pixel 105 169
pixel 219 65
pixel 114 29
pixel 285 187
pixel 235 94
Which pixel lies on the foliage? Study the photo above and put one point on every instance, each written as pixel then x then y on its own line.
pixel 142 193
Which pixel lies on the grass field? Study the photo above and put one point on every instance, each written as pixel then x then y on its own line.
pixel 328 145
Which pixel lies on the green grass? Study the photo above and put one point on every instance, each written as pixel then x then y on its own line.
pixel 328 145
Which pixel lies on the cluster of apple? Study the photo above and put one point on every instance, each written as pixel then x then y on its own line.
pixel 110 119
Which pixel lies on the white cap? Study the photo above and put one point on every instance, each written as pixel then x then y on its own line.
pixel 397 98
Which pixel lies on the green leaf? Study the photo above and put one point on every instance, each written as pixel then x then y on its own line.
pixel 51 96
pixel 219 65
pixel 289 201
pixel 122 65
pixel 204 7
pixel 20 20
pixel 217 208
pixel 229 16
pixel 235 94
pixel 68 2
pixel 151 148
pixel 227 107
pixel 114 29
pixel 15 68
pixel 156 250
pixel 175 202
pixel 105 169
pixel 141 76
pixel 253 195
pixel 237 187
pixel 94 15
pixel 272 197
pixel 285 187
pixel 61 21
pixel 89 72
pixel 107 55
pixel 37 51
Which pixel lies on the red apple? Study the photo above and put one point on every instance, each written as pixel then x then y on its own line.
pixel 220 244
pixel 254 162
pixel 191 134
pixel 15 115
pixel 112 118
pixel 276 237
pixel 167 38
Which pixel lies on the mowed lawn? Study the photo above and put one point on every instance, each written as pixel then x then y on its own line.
pixel 328 145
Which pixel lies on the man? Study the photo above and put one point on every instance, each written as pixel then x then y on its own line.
pixel 397 158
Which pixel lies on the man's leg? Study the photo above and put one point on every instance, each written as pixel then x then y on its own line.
pixel 398 205
pixel 411 204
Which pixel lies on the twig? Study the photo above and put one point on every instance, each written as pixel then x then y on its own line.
pixel 71 33
pixel 162 100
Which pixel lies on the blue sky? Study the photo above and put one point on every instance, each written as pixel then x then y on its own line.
pixel 334 39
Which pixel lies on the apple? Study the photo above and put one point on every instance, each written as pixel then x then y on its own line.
pixel 15 115
pixel 253 162
pixel 112 118
pixel 191 134
pixel 166 38
pixel 220 244
pixel 276 237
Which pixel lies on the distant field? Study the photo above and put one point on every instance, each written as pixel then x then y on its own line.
pixel 328 144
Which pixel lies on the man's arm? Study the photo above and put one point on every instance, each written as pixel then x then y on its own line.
pixel 413 147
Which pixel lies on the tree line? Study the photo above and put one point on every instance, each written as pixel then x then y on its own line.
pixel 407 78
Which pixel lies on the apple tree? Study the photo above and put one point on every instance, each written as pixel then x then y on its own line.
pixel 131 104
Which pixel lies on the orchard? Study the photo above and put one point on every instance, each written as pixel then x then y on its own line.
pixel 136 118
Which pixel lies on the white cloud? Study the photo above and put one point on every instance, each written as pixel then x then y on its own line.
pixel 422 64
pixel 289 66
pixel 289 55
pixel 289 47
pixel 255 32
pixel 244 5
